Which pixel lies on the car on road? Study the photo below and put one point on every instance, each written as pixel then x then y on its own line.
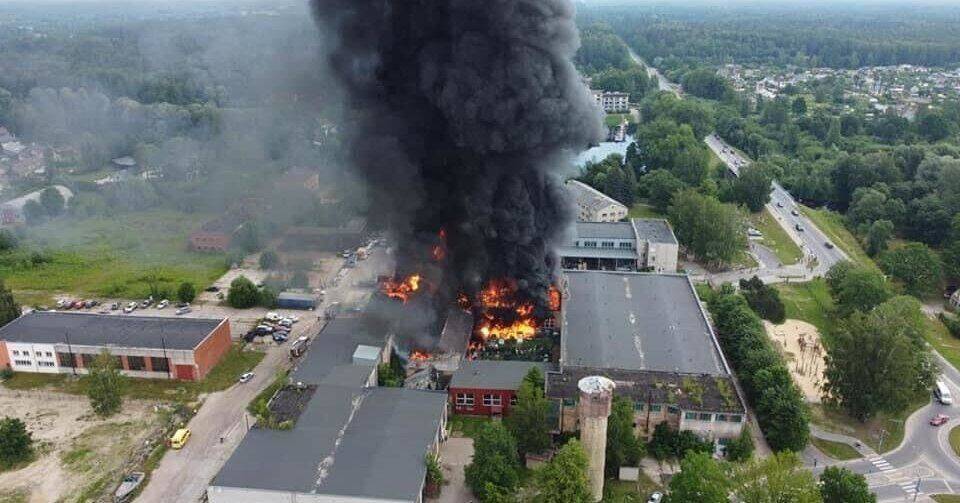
pixel 795 213
pixel 798 227
pixel 179 438
pixel 182 311
pixel 656 497
pixel 942 392
pixel 114 306
pixel 779 204
pixel 245 377
pixel 939 420
pixel 182 304
pixel 212 289
pixel 828 244
pixel 754 233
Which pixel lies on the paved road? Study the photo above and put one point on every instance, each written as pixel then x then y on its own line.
pixel 183 475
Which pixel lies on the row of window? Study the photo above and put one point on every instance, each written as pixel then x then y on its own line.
pixel 489 400
pixel 15 352
pixel 157 364
pixel 706 416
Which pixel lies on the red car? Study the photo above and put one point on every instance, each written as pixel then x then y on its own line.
pixel 939 420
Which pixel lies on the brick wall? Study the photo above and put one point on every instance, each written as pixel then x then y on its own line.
pixel 478 408
pixel 209 352
pixel 4 356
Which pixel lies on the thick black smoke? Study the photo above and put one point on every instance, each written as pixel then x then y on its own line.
pixel 462 111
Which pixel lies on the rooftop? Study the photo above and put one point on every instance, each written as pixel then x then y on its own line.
pixel 600 230
pixel 655 230
pixel 83 329
pixel 636 321
pixel 589 196
pixel 493 374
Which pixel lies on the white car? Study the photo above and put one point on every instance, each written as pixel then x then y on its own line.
pixel 163 303
pixel 272 317
pixel 183 310
pixel 656 497
pixel 286 322
pixel 131 307
pixel 246 377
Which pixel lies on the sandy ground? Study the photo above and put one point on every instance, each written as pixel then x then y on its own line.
pixel 61 424
pixel 800 343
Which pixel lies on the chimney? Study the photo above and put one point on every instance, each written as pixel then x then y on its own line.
pixel 596 398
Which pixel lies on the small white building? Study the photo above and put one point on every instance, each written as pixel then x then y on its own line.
pixel 595 206
pixel 11 212
pixel 612 101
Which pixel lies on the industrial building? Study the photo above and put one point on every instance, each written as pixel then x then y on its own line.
pixel 640 244
pixel 488 387
pixel 648 334
pixel 353 441
pixel 593 205
pixel 152 347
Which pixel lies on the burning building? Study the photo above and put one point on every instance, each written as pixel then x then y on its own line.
pixel 461 111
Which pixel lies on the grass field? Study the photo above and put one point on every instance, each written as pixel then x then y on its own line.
pixel 836 450
pixel 775 238
pixel 612 120
pixel 945 344
pixel 234 363
pixel 641 210
pixel 946 498
pixel 809 302
pixel 886 426
pixel 468 426
pixel 831 223
pixel 119 257
pixel 955 440
pixel 624 491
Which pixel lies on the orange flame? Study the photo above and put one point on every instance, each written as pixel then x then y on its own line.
pixel 438 253
pixel 419 356
pixel 554 298
pixel 519 325
pixel 401 290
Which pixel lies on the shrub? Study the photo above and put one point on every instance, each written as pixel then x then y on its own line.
pixel 952 324
pixel 764 300
pixel 243 293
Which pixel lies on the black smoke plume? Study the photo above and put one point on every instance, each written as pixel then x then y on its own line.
pixel 462 111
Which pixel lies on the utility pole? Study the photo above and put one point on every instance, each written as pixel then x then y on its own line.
pixel 883 434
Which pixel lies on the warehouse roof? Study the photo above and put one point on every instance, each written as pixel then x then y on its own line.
pixel 350 441
pixel 334 347
pixel 610 253
pixel 655 230
pixel 636 321
pixel 600 230
pixel 493 374
pixel 83 329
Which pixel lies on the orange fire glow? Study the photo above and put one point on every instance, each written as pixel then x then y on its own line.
pixel 497 300
pixel 438 253
pixel 554 298
pixel 401 290
pixel 419 356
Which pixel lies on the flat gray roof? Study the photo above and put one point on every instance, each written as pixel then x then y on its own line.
pixel 655 230
pixel 370 441
pixel 600 230
pixel 130 331
pixel 493 374
pixel 636 321
pixel 334 346
pixel 610 253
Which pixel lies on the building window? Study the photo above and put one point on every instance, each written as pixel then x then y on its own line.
pixel 655 408
pixel 626 244
pixel 25 363
pixel 16 353
pixel 48 354
pixel 690 415
pixel 638 405
pixel 87 359
pixel 736 418
pixel 66 360
pixel 160 364
pixel 589 244
pixel 706 416
pixel 136 363
pixel 513 400
pixel 607 244
pixel 722 417
pixel 46 364
pixel 465 399
pixel 491 400
pixel 673 409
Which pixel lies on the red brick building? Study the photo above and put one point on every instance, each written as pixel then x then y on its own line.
pixel 487 387
pixel 151 347
pixel 215 235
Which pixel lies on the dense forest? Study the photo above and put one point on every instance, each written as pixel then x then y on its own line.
pixel 823 35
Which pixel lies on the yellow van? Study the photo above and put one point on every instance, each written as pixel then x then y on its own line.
pixel 179 438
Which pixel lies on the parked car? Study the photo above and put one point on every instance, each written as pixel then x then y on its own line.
pixel 245 377
pixel 91 303
pixel 939 420
pixel 798 227
pixel 265 328
pixel 779 204
pixel 828 244
pixel 182 310
pixel 63 303
pixel 131 307
pixel 942 392
pixel 212 289
pixel 286 322
pixel 163 304
pixel 656 497
pixel 182 304
pixel 279 337
pixel 795 213
pixel 144 304
pixel 77 304
pixel 114 306
pixel 272 317
pixel 179 438
pixel 754 233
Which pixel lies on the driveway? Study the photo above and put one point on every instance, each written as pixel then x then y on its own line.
pixel 455 454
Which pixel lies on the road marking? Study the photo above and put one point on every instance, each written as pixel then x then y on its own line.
pixel 882 464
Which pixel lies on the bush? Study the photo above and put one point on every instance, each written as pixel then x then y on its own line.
pixel 269 259
pixel 741 449
pixel 16 443
pixel 764 300
pixel 243 293
pixel 6 373
pixel 667 443
pixel 495 469
pixel 952 324
pixel 186 292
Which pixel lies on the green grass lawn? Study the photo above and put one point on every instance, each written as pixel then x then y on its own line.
pixel 836 450
pixel 625 491
pixel 836 420
pixel 612 120
pixel 119 257
pixel 642 210
pixel 775 238
pixel 468 426
pixel 955 440
pixel 946 498
pixel 234 363
pixel 18 496
pixel 810 302
pixel 831 223
pixel 945 344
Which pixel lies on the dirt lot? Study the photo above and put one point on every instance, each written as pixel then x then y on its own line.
pixel 800 344
pixel 80 455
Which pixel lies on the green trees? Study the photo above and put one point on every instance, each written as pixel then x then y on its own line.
pixel 186 292
pixel 243 293
pixel 52 201
pixel 612 178
pixel 623 447
pixel 665 144
pixel 840 485
pixel 740 448
pixel 916 267
pixel 878 361
pixel 713 231
pixel 9 309
pixel 633 80
pixel 763 299
pixel 105 385
pixel 878 235
pixel 269 259
pixel 527 421
pixel 33 212
pixel 660 186
pixel 776 478
pixel 564 478
pixel 767 384
pixel 799 106
pixel 16 443
pixel 667 443
pixel 701 479
pixel 857 288
pixel 705 83
pixel 752 187
pixel 601 49
pixel 495 467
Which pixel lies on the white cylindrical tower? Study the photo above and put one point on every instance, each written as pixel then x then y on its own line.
pixel 596 398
